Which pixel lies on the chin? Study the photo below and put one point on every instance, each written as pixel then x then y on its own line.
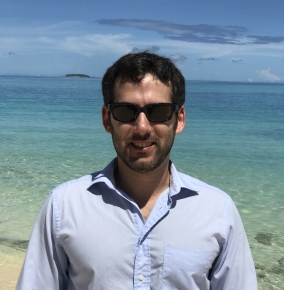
pixel 143 166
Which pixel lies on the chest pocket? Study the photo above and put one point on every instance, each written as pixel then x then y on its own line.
pixel 186 268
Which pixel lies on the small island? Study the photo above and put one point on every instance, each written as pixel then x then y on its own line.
pixel 77 76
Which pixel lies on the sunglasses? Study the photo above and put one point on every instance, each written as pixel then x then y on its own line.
pixel 127 112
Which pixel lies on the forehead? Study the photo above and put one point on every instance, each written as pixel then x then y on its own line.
pixel 149 90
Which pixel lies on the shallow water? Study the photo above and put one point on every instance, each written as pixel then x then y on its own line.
pixel 234 139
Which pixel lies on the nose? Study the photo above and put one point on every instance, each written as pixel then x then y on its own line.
pixel 142 125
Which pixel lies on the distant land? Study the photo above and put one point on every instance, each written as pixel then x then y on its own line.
pixel 77 76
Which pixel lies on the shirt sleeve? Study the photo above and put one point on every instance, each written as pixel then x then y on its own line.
pixel 46 264
pixel 234 268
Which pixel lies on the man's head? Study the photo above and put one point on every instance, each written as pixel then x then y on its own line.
pixel 141 110
pixel 134 67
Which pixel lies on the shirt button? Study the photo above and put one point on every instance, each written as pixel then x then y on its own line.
pixel 141 277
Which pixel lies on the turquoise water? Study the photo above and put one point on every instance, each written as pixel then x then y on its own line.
pixel 50 132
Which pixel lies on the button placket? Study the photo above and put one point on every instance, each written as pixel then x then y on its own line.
pixel 142 266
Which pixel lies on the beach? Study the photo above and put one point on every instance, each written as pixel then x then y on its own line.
pixel 10 267
pixel 9 277
pixel 51 132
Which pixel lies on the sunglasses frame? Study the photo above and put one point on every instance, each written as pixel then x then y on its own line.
pixel 174 108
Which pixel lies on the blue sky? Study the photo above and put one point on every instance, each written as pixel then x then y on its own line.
pixel 222 40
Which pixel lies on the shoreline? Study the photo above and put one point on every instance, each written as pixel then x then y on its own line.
pixel 11 262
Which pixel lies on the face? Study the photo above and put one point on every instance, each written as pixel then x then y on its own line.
pixel 142 145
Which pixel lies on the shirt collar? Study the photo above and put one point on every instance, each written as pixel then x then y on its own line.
pixel 176 183
pixel 106 175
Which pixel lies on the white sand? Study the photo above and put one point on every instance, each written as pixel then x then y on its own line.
pixel 8 277
pixel 10 266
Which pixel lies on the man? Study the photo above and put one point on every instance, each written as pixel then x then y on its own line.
pixel 139 223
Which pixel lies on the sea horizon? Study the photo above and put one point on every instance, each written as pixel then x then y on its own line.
pixel 187 80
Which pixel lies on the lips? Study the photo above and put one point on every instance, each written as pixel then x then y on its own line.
pixel 142 144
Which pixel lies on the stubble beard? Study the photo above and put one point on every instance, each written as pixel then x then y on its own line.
pixel 141 163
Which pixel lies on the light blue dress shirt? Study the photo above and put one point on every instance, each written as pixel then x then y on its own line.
pixel 91 235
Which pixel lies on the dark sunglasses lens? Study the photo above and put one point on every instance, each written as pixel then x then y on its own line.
pixel 124 113
pixel 160 113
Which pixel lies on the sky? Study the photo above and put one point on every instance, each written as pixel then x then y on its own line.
pixel 217 40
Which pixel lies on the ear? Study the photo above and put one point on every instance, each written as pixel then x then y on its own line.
pixel 106 119
pixel 180 120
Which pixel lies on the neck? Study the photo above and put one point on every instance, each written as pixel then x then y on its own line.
pixel 143 188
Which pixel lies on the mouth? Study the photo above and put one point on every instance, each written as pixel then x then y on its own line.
pixel 142 145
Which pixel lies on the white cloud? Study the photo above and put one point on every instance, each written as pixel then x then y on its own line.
pixel 177 57
pixel 86 45
pixel 76 37
pixel 204 33
pixel 53 43
pixel 153 49
pixel 39 28
pixel 47 38
pixel 89 44
pixel 266 75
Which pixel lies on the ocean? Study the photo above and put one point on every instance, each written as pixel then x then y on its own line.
pixel 51 132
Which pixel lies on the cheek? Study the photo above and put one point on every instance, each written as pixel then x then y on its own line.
pixel 122 130
pixel 163 130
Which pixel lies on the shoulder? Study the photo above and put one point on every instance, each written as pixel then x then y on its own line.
pixel 211 199
pixel 214 203
pixel 76 185
pixel 203 188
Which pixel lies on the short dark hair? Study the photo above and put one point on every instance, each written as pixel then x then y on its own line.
pixel 134 67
